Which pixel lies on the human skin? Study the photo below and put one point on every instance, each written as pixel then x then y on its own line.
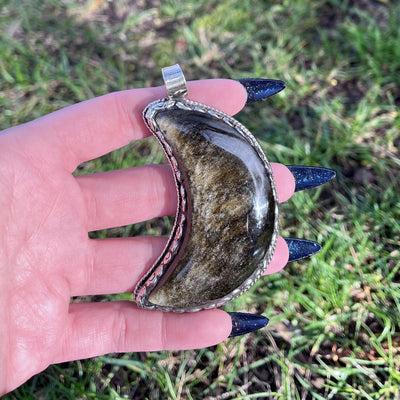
pixel 45 253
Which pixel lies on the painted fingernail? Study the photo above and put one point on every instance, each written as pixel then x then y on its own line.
pixel 309 177
pixel 301 248
pixel 258 89
pixel 243 323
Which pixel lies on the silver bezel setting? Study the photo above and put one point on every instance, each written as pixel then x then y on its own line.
pixel 150 280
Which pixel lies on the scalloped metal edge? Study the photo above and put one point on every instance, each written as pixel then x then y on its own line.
pixel 160 267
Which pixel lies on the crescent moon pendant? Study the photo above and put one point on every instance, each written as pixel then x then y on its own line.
pixel 226 224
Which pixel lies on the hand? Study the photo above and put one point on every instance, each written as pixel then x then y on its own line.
pixel 45 253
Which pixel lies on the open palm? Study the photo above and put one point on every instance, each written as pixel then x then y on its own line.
pixel 45 253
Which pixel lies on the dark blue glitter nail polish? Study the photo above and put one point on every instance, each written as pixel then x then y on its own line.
pixel 243 323
pixel 308 177
pixel 258 89
pixel 301 248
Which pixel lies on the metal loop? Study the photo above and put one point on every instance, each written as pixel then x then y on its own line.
pixel 175 81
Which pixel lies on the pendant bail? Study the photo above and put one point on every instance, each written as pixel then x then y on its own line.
pixel 175 81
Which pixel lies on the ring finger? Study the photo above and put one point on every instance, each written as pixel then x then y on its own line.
pixel 133 195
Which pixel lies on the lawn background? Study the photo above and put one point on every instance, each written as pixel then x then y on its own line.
pixel 335 325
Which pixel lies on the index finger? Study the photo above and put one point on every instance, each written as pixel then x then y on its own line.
pixel 95 127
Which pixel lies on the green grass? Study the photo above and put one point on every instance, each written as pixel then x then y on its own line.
pixel 335 319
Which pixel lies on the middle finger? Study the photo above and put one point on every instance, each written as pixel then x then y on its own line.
pixel 133 195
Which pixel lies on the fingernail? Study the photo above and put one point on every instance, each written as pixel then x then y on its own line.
pixel 243 323
pixel 258 89
pixel 301 248
pixel 308 177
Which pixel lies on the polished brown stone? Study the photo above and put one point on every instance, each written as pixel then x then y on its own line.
pixel 231 214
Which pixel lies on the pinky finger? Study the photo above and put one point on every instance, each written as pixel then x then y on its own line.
pixel 99 328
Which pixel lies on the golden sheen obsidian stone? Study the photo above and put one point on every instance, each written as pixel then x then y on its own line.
pixel 231 209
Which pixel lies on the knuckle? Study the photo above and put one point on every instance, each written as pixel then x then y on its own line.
pixel 119 330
